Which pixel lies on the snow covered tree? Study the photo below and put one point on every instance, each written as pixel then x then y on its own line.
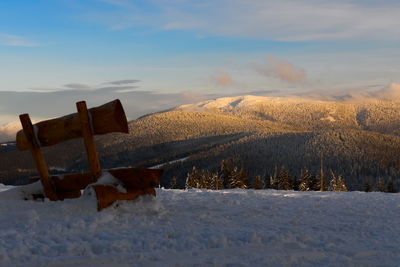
pixel 307 181
pixel 193 179
pixel 233 176
pixel 216 181
pixel 238 178
pixel 274 179
pixel 337 183
pixel 204 181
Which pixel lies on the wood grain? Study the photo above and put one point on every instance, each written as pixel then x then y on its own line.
pixel 106 118
pixel 37 155
pixel 87 133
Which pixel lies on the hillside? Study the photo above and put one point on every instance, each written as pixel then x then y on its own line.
pixel 204 227
pixel 358 140
pixel 374 115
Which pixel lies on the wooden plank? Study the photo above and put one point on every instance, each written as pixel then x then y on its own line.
pixel 138 178
pixel 87 132
pixel 40 162
pixel 108 194
pixel 69 194
pixel 106 118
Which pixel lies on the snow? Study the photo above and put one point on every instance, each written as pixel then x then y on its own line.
pixel 329 118
pixel 238 102
pixel 203 227
pixel 169 162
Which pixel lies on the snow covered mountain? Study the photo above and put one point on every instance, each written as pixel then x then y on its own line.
pixel 8 131
pixel 370 114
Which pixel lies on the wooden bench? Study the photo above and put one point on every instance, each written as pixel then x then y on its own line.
pixel 85 124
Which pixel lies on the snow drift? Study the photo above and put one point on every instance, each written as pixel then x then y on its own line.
pixel 201 227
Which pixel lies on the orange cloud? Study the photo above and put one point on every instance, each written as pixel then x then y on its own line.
pixel 281 69
pixel 222 78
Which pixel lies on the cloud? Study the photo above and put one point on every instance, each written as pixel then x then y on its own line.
pixel 122 82
pixel 284 20
pixel 77 86
pixel 222 78
pixel 117 89
pixel 118 86
pixel 390 92
pixel 48 104
pixel 363 93
pixel 281 69
pixel 14 40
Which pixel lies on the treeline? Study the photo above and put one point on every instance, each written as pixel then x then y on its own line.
pixel 231 174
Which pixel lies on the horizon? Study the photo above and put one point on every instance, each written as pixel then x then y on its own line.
pixel 160 54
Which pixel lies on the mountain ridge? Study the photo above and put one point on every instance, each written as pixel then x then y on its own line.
pixel 357 140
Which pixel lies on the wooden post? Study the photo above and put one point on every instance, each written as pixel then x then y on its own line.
pixel 87 133
pixel 40 162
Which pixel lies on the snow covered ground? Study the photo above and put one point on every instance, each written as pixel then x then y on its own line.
pixel 200 227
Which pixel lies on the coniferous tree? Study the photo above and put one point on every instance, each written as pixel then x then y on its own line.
pixel 193 179
pixel 217 182
pixel 307 181
pixel 390 188
pixel 337 183
pixel 368 185
pixel 274 179
pixel 380 185
pixel 267 181
pixel 322 178
pixel 285 180
pixel 173 183
pixel 238 178
pixel 257 183
pixel 243 178
pixel 226 172
pixel 205 180
pixel 295 183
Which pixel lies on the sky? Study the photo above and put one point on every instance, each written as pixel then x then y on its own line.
pixel 156 54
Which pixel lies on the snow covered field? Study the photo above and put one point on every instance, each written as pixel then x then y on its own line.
pixel 200 227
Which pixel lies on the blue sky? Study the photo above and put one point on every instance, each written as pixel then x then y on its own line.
pixel 185 50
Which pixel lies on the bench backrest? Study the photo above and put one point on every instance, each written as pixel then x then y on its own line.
pixel 104 119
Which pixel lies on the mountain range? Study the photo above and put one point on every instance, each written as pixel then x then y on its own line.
pixel 359 140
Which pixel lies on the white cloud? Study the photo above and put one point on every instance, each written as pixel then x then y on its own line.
pixel 77 86
pixel 14 40
pixel 390 92
pixel 284 20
